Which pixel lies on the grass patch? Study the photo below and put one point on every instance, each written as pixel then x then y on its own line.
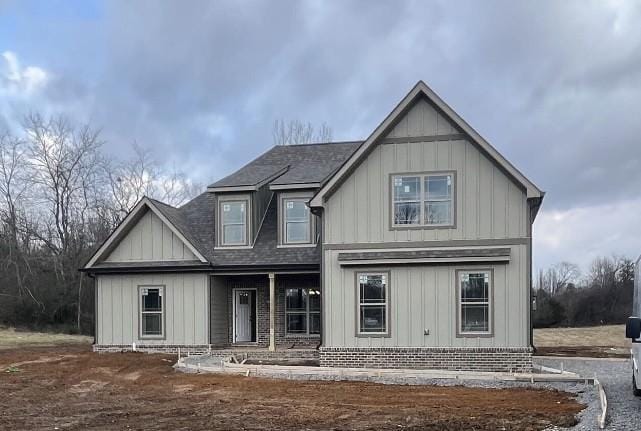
pixel 11 338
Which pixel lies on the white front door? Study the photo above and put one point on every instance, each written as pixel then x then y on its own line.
pixel 243 322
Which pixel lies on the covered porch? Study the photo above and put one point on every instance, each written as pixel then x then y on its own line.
pixel 264 312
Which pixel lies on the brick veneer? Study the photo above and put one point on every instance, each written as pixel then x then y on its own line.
pixel 459 359
pixel 261 284
pixel 214 352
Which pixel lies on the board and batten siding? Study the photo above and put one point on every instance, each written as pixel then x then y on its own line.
pixel 150 240
pixel 423 297
pixel 185 300
pixel 488 204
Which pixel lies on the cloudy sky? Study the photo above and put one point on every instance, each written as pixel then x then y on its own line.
pixel 555 86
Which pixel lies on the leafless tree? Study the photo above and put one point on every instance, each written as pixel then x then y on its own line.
pixel 296 132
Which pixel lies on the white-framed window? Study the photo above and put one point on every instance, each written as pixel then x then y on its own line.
pixel 152 323
pixel 302 311
pixel 423 199
pixel 373 303
pixel 475 302
pixel 296 221
pixel 233 216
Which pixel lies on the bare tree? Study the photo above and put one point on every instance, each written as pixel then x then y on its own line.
pixel 296 132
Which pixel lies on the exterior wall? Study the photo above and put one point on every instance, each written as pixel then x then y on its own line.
pixel 423 297
pixel 150 240
pixel 186 310
pixel 488 204
pixel 260 201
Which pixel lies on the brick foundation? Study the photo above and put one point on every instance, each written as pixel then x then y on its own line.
pixel 260 354
pixel 456 359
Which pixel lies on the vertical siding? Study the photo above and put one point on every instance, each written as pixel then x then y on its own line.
pixel 185 300
pixel 219 330
pixel 423 297
pixel 488 203
pixel 150 240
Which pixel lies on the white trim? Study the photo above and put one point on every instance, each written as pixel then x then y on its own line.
pixel 122 229
pixel 233 316
pixel 422 89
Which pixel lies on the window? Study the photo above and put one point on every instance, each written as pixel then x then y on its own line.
pixel 302 309
pixel 296 221
pixel 234 222
pixel 151 312
pixel 423 200
pixel 474 302
pixel 373 303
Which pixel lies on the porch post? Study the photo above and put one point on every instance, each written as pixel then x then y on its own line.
pixel 272 312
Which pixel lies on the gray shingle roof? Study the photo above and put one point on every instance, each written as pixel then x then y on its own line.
pixel 307 163
pixel 312 163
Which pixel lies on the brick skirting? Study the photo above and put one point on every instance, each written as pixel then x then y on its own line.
pixel 506 359
pixel 223 353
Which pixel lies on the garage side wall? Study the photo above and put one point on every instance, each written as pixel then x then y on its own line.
pixel 185 303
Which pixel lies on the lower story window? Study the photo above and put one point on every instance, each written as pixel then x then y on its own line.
pixel 151 311
pixel 302 309
pixel 475 302
pixel 373 303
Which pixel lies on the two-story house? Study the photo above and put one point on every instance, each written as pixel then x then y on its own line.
pixel 409 249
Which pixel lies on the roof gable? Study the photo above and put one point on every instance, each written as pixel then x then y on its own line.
pixel 148 212
pixel 392 125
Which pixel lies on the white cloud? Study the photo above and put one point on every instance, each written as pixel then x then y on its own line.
pixel 580 234
pixel 19 81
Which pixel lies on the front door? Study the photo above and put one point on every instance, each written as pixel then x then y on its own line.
pixel 243 324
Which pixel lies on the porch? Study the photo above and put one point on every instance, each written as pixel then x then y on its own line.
pixel 264 313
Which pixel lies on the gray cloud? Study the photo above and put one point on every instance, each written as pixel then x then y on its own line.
pixel 555 86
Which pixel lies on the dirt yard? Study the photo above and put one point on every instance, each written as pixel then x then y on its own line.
pixel 69 387
pixel 595 341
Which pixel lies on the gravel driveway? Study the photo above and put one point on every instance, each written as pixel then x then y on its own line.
pixel 624 409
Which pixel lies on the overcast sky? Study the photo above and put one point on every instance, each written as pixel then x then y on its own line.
pixel 555 86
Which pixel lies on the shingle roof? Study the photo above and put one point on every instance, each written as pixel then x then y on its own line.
pixel 306 163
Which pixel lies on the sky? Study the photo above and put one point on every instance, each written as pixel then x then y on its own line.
pixel 555 86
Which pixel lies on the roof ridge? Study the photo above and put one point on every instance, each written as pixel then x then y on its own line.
pixel 320 143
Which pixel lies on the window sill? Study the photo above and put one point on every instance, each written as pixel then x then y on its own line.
pixel 233 247
pixel 373 335
pixel 306 245
pixel 474 335
pixel 422 226
pixel 298 336
pixel 151 337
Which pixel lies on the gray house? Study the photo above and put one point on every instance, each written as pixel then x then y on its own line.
pixel 409 249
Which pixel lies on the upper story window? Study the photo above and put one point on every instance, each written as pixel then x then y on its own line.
pixel 297 221
pixel 296 224
pixel 423 199
pixel 233 222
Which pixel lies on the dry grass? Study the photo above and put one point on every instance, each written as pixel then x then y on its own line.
pixel 606 340
pixel 10 338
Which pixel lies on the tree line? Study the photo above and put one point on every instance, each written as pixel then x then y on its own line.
pixel 566 297
pixel 61 194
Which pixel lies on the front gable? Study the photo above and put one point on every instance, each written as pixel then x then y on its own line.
pixel 150 239
pixel 146 235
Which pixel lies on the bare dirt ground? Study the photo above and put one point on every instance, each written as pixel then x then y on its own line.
pixel 596 341
pixel 69 387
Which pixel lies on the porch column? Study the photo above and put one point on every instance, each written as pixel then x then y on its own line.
pixel 272 312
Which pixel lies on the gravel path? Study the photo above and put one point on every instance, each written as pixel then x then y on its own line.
pixel 624 409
